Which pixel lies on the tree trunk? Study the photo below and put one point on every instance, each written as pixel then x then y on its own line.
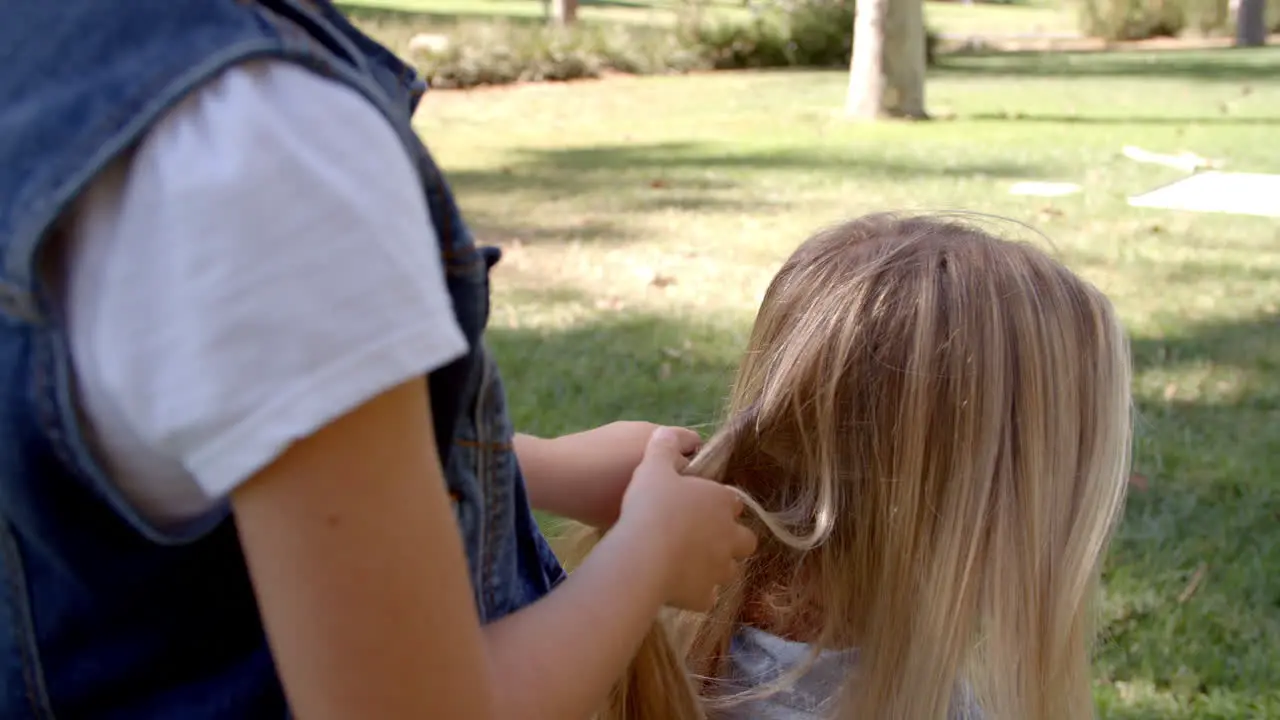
pixel 866 66
pixel 1251 23
pixel 886 72
pixel 566 12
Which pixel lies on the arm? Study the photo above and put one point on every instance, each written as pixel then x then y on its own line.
pixel 677 540
pixel 559 476
pixel 583 476
pixel 558 659
pixel 360 573
pixel 361 504
pixel 347 532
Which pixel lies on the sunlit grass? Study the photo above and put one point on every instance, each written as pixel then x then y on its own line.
pixel 642 218
pixel 946 17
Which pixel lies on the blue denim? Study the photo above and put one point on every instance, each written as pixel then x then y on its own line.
pixel 103 615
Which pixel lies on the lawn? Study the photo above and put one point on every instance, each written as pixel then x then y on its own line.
pixel 642 218
pixel 949 18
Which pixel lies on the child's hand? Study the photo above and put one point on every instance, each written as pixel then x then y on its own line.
pixel 691 522
pixel 584 475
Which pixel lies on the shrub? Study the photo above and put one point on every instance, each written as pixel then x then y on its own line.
pixel 1130 19
pixel 761 43
pixel 790 33
pixel 1143 19
pixel 500 53
pixel 803 33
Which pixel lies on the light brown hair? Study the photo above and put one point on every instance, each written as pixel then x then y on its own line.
pixel 935 425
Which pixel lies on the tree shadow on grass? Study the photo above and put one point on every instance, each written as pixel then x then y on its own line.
pixel 1229 435
pixel 1121 120
pixel 1211 493
pixel 1203 65
pixel 677 156
pixel 1252 344
pixel 1193 562
pixel 623 366
pixel 492 227
pixel 680 176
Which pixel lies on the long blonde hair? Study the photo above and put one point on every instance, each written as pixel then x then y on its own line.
pixel 938 424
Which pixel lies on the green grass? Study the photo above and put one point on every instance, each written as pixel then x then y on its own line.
pixel 643 12
pixel 642 219
pixel 982 19
pixel 1040 16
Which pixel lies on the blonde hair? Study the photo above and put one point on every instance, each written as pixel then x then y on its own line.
pixel 938 424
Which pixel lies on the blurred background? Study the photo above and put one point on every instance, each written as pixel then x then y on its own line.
pixel 643 208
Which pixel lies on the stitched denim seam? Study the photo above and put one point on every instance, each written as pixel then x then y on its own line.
pixel 66 439
pixel 58 193
pixel 19 262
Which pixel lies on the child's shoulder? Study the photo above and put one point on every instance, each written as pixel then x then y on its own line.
pixel 758 658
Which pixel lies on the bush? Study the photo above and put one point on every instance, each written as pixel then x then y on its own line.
pixel 498 53
pixel 806 33
pixel 1143 19
pixel 794 33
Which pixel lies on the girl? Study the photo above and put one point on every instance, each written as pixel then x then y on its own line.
pixel 946 417
pixel 256 462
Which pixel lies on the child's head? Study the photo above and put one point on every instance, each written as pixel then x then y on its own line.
pixel 943 420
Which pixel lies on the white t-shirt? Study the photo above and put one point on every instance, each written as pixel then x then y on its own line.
pixel 262 263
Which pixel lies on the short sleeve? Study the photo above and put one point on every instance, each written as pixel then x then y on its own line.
pixel 262 264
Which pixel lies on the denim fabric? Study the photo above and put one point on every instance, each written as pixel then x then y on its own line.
pixel 103 615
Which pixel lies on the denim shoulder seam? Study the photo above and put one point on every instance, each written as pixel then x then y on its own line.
pixel 20 261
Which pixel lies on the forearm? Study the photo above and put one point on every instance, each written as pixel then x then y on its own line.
pixel 558 482
pixel 558 658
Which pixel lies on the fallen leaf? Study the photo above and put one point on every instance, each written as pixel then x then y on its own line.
pixel 1170 391
pixel 658 184
pixel 1048 214
pixel 660 281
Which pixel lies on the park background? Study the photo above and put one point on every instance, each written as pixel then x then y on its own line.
pixel 643 209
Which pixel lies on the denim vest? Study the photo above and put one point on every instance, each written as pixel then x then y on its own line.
pixel 103 615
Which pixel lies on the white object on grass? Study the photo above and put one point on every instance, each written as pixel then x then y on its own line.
pixel 1185 161
pixel 1213 191
pixel 1044 189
